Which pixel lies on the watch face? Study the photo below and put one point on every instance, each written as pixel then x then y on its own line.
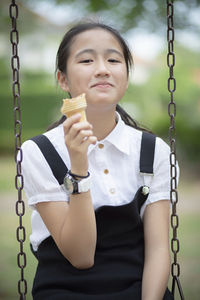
pixel 68 185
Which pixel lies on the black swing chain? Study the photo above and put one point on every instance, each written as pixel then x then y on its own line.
pixel 19 182
pixel 20 206
pixel 175 246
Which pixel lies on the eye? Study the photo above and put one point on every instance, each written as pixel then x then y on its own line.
pixel 85 61
pixel 112 60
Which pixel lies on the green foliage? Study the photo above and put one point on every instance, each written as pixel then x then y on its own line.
pixel 124 15
pixel 186 96
pixel 148 104
pixel 40 101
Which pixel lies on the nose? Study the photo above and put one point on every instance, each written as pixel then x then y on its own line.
pixel 102 69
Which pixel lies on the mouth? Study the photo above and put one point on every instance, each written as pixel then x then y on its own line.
pixel 102 84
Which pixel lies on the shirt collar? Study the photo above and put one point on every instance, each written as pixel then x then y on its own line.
pixel 117 137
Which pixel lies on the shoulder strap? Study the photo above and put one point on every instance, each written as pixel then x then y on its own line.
pixel 54 160
pixel 59 168
pixel 147 153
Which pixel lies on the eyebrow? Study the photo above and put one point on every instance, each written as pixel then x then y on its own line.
pixel 109 51
pixel 115 51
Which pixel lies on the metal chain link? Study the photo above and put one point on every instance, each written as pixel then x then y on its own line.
pixel 175 245
pixel 20 206
pixel 19 181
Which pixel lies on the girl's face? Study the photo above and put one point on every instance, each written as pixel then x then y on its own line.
pixel 96 66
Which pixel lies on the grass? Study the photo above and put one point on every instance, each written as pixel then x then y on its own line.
pixel 10 273
pixel 188 232
pixel 189 255
pixel 9 247
pixel 7 176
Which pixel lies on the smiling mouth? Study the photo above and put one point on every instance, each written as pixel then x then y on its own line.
pixel 102 85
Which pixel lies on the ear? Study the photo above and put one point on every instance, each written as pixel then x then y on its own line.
pixel 62 81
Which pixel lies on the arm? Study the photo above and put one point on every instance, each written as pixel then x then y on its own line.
pixel 157 256
pixel 73 225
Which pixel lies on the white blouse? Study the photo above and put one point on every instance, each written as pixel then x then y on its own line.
pixel 113 164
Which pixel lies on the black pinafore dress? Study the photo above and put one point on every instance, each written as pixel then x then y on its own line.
pixel 119 256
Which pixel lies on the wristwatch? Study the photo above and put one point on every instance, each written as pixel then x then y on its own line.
pixel 76 186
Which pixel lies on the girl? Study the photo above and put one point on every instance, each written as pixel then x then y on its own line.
pixel 99 189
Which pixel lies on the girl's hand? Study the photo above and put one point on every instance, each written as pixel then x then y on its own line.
pixel 78 136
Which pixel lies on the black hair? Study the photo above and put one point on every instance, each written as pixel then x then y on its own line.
pixel 64 52
pixel 64 48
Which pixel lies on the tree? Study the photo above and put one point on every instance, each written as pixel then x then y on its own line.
pixel 127 14
pixel 124 14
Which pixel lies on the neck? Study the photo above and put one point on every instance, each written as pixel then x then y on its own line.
pixel 103 122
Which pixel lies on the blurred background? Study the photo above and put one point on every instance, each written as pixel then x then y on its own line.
pixel 41 25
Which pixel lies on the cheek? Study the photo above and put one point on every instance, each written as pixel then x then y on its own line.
pixel 122 77
pixel 121 72
pixel 81 74
pixel 123 83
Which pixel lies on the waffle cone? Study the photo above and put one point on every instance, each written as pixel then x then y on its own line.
pixel 74 105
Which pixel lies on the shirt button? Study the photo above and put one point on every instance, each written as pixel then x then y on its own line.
pixel 101 146
pixel 106 171
pixel 112 191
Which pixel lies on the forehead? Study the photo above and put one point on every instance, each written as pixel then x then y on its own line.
pixel 97 38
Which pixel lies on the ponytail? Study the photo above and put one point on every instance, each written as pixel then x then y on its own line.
pixel 128 120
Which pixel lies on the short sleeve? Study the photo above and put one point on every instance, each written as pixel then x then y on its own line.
pixel 40 185
pixel 160 182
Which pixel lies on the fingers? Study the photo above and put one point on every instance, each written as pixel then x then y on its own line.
pixel 77 133
pixel 73 125
pixel 70 121
pixel 90 140
pixel 80 130
pixel 78 136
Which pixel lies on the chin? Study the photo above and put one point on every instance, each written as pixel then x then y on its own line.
pixel 102 103
pixel 101 99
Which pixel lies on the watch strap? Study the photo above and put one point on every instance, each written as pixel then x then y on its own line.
pixel 79 186
pixel 78 176
pixel 84 185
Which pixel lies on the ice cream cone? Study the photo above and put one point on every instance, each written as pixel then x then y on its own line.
pixel 74 105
